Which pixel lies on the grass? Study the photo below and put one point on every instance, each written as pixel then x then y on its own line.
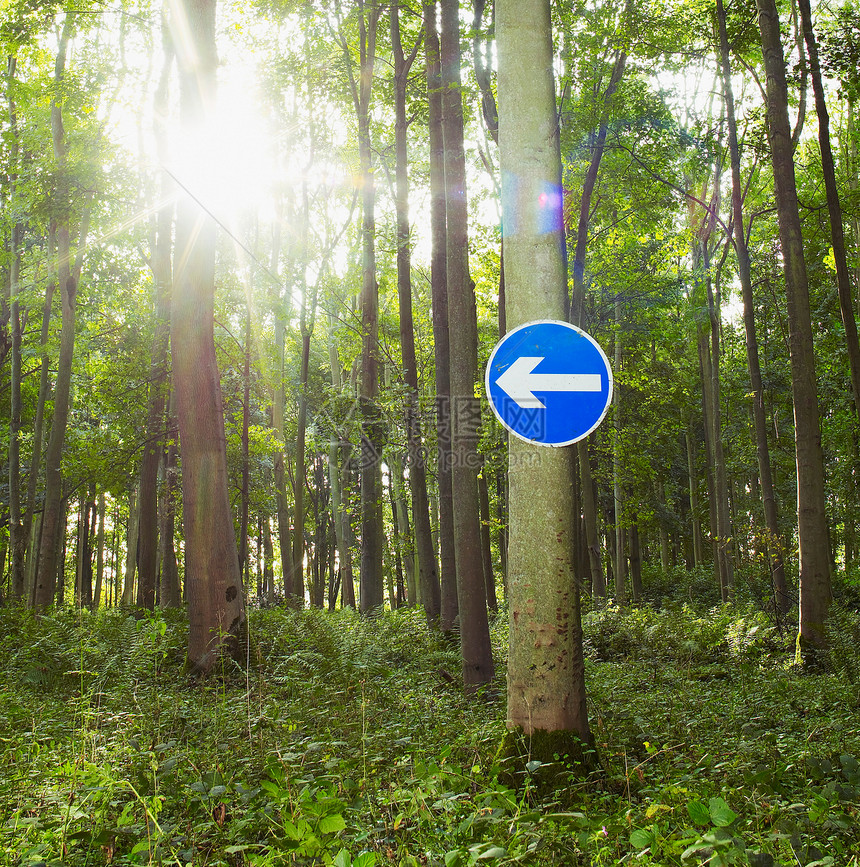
pixel 344 742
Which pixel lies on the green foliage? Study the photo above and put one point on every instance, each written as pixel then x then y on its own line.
pixel 343 744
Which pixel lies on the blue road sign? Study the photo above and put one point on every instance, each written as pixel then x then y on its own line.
pixel 549 383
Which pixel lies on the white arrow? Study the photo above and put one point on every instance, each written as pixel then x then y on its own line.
pixel 519 383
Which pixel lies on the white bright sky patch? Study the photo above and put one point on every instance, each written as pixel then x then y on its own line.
pixel 229 167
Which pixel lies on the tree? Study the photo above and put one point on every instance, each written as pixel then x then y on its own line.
pixel 439 283
pixel 812 531
pixel 546 677
pixel 774 542
pixel 216 606
pixel 463 346
pixel 68 276
pixel 428 574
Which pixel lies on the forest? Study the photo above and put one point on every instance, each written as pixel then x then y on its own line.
pixel 282 581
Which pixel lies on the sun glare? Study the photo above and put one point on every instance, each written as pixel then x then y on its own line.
pixel 229 166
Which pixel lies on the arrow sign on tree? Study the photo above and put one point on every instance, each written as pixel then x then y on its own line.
pixel 565 366
pixel 519 382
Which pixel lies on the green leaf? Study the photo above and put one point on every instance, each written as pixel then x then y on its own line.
pixel 454 858
pixel 364 859
pixel 332 824
pixel 142 846
pixel 492 852
pixel 342 859
pixel 698 812
pixel 722 814
pixel 641 839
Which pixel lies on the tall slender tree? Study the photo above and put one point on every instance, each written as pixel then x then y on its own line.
pixel 439 304
pixel 774 542
pixel 428 572
pixel 216 606
pixel 463 345
pixel 813 538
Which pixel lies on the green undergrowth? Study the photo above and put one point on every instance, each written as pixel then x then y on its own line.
pixel 347 741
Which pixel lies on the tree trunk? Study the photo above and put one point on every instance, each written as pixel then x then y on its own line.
pixel 171 591
pixel 439 304
pixel 216 607
pixel 131 547
pixel 32 531
pixel 834 208
pixel 17 531
pixel 486 548
pixel 245 504
pixel 620 560
pixel 371 585
pixel 811 517
pixel 100 553
pixel 428 572
pixel 771 519
pixel 278 400
pixel 463 347
pixel 635 562
pixel 46 569
pixel 546 679
pixel 404 534
pixel 162 269
pixel 695 520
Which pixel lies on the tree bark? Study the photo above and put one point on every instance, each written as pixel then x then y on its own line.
pixel 428 572
pixel 546 679
pixel 171 590
pixel 30 529
pixel 774 541
pixel 834 208
pixel 371 585
pixel 46 570
pixel 620 560
pixel 158 371
pixel 811 517
pixel 17 531
pixel 463 346
pixel 439 281
pixel 100 552
pixel 216 607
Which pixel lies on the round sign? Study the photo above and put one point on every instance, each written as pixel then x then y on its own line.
pixel 549 383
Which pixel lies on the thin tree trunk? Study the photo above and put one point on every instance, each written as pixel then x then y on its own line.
pixel 31 530
pixel 439 303
pixel 278 400
pixel 834 208
pixel 635 562
pixel 812 520
pixel 696 525
pixel 46 570
pixel 100 553
pixel 245 504
pixel 372 538
pixel 428 572
pixel 486 548
pixel 162 269
pixel 404 533
pixel 463 346
pixel 771 518
pixel 17 531
pixel 131 547
pixel 171 591
pixel 620 560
